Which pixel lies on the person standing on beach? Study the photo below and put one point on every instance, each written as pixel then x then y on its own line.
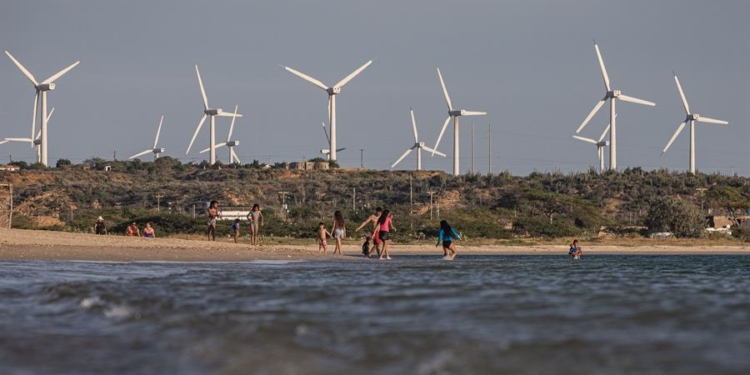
pixel 149 231
pixel 323 235
pixel 374 220
pixel 575 251
pixel 256 219
pixel 446 236
pixel 213 214
pixel 383 230
pixel 339 231
pixel 100 227
pixel 236 229
pixel 133 230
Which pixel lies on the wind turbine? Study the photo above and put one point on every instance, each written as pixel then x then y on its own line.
pixel 37 142
pixel 229 143
pixel 41 88
pixel 612 96
pixel 455 114
pixel 600 145
pixel 332 92
pixel 327 151
pixel 154 150
pixel 208 112
pixel 419 146
pixel 692 118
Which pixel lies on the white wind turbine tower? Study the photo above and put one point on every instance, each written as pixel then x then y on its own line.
pixel 692 118
pixel 229 143
pixel 612 96
pixel 37 142
pixel 419 146
pixel 156 151
pixel 332 92
pixel 600 145
pixel 455 114
pixel 327 151
pixel 41 88
pixel 208 112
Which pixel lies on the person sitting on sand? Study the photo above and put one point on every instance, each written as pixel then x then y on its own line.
pixel 323 235
pixel 575 251
pixel 133 230
pixel 149 231
pixel 213 214
pixel 446 236
pixel 100 227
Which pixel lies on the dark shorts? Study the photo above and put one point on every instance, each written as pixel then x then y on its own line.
pixel 447 244
pixel 383 235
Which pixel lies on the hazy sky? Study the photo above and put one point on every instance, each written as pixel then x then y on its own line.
pixel 529 63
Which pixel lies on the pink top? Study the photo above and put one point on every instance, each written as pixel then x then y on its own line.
pixel 386 225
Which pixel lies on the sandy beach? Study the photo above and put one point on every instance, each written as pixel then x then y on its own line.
pixel 46 245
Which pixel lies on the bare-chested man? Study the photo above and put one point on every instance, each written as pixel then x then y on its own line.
pixel 374 220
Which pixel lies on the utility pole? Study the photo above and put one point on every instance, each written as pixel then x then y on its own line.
pixel 411 203
pixel 489 146
pixel 472 148
pixel 158 202
pixel 431 193
pixel 362 158
pixel 354 200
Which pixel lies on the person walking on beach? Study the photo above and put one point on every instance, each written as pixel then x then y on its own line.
pixel 374 220
pixel 575 251
pixel 133 230
pixel 100 227
pixel 236 229
pixel 339 231
pixel 446 236
pixel 256 219
pixel 213 214
pixel 323 235
pixel 149 231
pixel 383 230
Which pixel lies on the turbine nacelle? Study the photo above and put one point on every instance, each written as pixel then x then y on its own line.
pixel 45 87
pixel 614 94
pixel 602 144
pixel 213 111
pixel 333 90
pixel 158 151
pixel 693 117
pixel 457 112
pixel 233 143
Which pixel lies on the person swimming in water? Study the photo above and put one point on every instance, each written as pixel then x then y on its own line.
pixel 575 251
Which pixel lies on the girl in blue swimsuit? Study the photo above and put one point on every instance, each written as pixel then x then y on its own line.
pixel 256 219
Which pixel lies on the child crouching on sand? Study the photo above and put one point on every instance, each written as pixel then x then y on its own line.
pixel 323 234
pixel 446 236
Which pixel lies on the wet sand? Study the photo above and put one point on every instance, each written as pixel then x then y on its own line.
pixel 18 244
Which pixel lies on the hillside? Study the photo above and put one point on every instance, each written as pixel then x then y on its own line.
pixel 496 206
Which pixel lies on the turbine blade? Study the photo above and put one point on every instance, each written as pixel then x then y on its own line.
pixel 712 120
pixel 597 107
pixel 606 130
pixel 340 149
pixel 4 141
pixel 307 78
pixel 414 126
pixel 203 91
pixel 473 113
pixel 402 157
pixel 23 69
pixel 33 117
pixel 231 127
pixel 60 73
pixel 228 114
pixel 38 135
pixel 602 67
pixel 588 140
pixel 235 157
pixel 49 115
pixel 445 92
pixel 435 152
pixel 445 125
pixel 328 139
pixel 198 129
pixel 158 131
pixel 353 74
pixel 18 140
pixel 679 129
pixel 215 147
pixel 141 154
pixel 682 94
pixel 636 100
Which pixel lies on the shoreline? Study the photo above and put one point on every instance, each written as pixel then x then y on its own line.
pixel 35 245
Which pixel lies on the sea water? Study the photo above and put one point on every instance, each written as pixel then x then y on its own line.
pixel 411 315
